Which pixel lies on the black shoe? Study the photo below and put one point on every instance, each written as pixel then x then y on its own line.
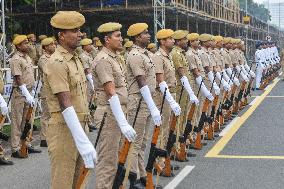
pixel 189 154
pixel 43 143
pixel 258 89
pixel 175 167
pixel 138 185
pixel 31 149
pixel 143 180
pixel 132 178
pixel 4 161
pixel 16 154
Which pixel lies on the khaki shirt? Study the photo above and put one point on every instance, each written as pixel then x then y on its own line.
pixel 227 57
pixel 164 65
pixel 234 57
pixel 108 68
pixel 205 58
pixel 179 60
pixel 42 62
pixel 86 59
pixel 139 63
pixel 65 73
pixel 240 57
pixel 32 52
pixel 94 51
pixel 219 58
pixel 194 61
pixel 21 65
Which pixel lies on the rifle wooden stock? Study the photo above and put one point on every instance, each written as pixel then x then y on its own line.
pixel 239 97
pixel 210 133
pixel 203 117
pixel 27 129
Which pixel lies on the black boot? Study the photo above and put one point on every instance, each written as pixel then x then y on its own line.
pixel 31 149
pixel 138 185
pixel 4 161
pixel 143 180
pixel 43 143
pixel 132 178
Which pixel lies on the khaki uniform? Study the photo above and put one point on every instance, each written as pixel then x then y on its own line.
pixel 165 66
pixel 33 54
pixel 64 73
pixel 227 58
pixel 107 68
pixel 139 64
pixel 43 60
pixel 179 60
pixel 94 52
pixel 195 62
pixel 21 65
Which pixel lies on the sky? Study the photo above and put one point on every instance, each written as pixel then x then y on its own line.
pixel 270 1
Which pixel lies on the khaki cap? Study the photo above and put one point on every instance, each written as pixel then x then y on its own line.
pixel 47 41
pixel 192 36
pixel 30 35
pixel 227 40
pixel 218 38
pixel 128 44
pixel 180 34
pixel 151 46
pixel 109 27
pixel 164 33
pixel 99 43
pixel 19 39
pixel 205 37
pixel 67 20
pixel 95 39
pixel 42 37
pixel 86 41
pixel 136 29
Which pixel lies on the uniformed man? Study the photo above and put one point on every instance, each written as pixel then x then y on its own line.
pixel 111 91
pixel 68 145
pixel 87 60
pixel 32 51
pixel 4 112
pixel 128 47
pixel 260 64
pixel 141 81
pixel 48 49
pixel 197 69
pixel 39 46
pixel 166 81
pixel 184 78
pixel 23 73
pixel 95 49
pixel 152 48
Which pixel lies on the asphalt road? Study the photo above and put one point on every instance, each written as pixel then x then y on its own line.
pixel 260 135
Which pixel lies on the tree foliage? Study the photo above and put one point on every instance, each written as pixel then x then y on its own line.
pixel 255 9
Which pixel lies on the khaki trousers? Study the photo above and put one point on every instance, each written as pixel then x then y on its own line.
pixel 44 119
pixel 107 148
pixel 143 122
pixel 64 156
pixel 19 110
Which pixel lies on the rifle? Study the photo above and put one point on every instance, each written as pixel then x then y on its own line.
pixel 181 155
pixel 232 102
pixel 84 172
pixel 203 119
pixel 27 128
pixel 2 119
pixel 248 90
pixel 239 96
pixel 120 173
pixel 213 113
pixel 154 152
pixel 171 141
pixel 92 106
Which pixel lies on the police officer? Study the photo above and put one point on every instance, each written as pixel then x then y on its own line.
pixel 260 64
pixel 68 145
pixel 111 91
pixel 48 49
pixel 128 47
pixel 32 51
pixel 23 73
pixel 184 78
pixel 87 60
pixel 39 46
pixel 152 48
pixel 141 80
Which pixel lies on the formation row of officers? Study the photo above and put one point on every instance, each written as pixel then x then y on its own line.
pixel 131 86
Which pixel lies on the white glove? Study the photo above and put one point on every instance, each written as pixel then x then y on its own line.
pixel 226 77
pixel 236 81
pixel 223 82
pixel 173 104
pixel 125 128
pixel 252 74
pixel 26 93
pixel 215 86
pixel 83 144
pixel 90 79
pixel 3 106
pixel 155 113
pixel 239 71
pixel 186 85
pixel 203 89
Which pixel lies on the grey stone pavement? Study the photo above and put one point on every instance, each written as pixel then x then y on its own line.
pixel 261 135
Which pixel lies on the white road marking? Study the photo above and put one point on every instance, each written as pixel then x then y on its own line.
pixel 229 126
pixel 254 100
pixel 182 174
